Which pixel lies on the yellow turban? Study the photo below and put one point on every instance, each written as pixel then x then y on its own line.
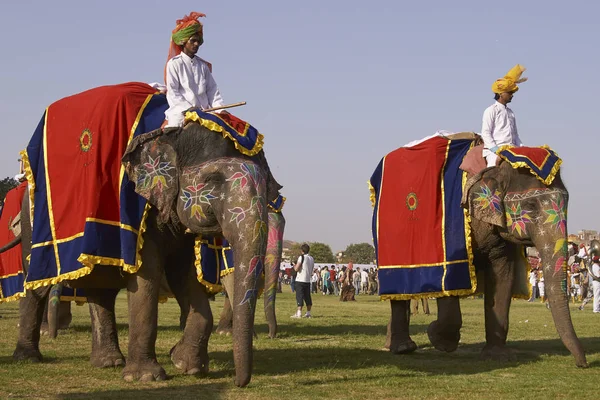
pixel 510 80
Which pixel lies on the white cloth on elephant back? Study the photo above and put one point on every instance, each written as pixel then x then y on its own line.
pixel 189 84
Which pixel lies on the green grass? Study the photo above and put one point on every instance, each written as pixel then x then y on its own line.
pixel 336 354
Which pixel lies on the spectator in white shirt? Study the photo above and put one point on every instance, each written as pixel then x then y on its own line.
pixel 499 126
pixel 595 279
pixel 189 79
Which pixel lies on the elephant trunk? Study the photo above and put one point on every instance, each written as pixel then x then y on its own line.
pixel 272 264
pixel 10 245
pixel 53 310
pixel 554 261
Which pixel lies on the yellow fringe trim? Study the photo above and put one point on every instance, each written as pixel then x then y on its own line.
pixel 522 164
pixel 62 277
pixel 226 272
pixel 16 296
pixel 89 261
pixel 30 181
pixel 210 287
pixel 372 195
pixel 213 126
pixel 140 243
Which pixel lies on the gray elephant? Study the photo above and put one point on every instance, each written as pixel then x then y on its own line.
pixel 508 207
pixel 200 159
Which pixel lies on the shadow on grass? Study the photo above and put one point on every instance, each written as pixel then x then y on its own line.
pixel 464 361
pixel 209 391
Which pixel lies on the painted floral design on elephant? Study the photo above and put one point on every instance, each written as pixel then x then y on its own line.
pixel 488 198
pixel 194 196
pixel 154 173
pixel 557 214
pixel 517 218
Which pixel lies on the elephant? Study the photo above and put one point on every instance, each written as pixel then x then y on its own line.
pixel 205 187
pixel 520 210
pixel 103 285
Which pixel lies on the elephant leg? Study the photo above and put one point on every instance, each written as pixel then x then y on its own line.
pixel 272 263
pixel 31 309
pixel 398 339
pixel 444 332
pixel 142 296
pixel 498 293
pixel 64 315
pixel 190 354
pixel 225 326
pixel 105 342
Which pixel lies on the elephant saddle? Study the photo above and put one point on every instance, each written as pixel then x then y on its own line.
pixel 11 262
pixel 420 230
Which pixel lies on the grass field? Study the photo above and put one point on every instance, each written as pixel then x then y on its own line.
pixel 336 354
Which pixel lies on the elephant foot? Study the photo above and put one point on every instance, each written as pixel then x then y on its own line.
pixel 404 347
pixel 146 371
pixel 44 329
pixel 497 353
pixel 111 360
pixel 443 340
pixel 23 353
pixel 189 360
pixel 225 328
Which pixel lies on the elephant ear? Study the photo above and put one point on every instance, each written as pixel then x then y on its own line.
pixel 485 201
pixel 151 164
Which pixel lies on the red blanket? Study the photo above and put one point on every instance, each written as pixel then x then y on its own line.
pixel 11 264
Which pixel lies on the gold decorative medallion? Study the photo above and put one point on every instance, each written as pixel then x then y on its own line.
pixel 411 201
pixel 85 140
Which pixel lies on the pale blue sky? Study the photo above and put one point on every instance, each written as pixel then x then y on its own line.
pixel 333 85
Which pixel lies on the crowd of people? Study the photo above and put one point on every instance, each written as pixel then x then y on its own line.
pixel 583 277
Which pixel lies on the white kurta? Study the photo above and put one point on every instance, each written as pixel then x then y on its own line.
pixel 596 286
pixel 189 84
pixel 498 128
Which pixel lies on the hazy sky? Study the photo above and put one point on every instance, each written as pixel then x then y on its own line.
pixel 333 85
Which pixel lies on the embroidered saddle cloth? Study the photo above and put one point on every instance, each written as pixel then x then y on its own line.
pixel 542 161
pixel 420 230
pixel 11 262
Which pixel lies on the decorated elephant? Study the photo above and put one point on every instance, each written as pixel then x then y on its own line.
pixel 520 202
pixel 209 180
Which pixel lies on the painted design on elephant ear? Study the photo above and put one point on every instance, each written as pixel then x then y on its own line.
pixel 238 214
pixel 557 215
pixel 249 296
pixel 517 218
pixel 488 199
pixel 152 174
pixel 560 247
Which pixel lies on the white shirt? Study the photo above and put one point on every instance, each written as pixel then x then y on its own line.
pixel 596 270
pixel 189 84
pixel 582 253
pixel 307 269
pixel 499 127
pixel 533 278
pixel 364 276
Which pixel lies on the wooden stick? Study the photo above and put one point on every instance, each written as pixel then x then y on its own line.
pixel 241 103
